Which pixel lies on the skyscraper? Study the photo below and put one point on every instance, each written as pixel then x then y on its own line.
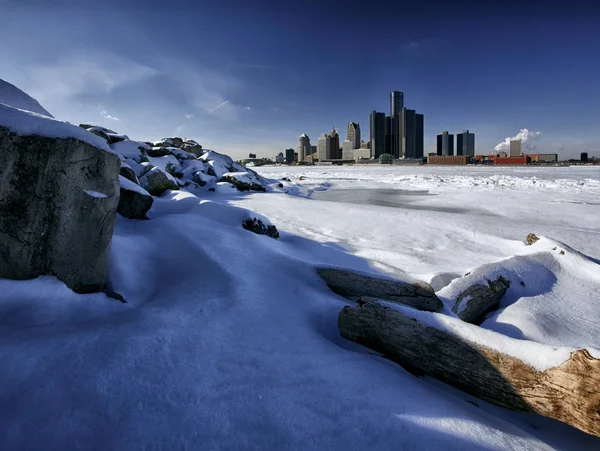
pixel 334 145
pixel 419 133
pixel 323 149
pixel 388 136
pixel 377 127
pixel 410 135
pixel 515 148
pixel 445 144
pixel 289 156
pixel 397 123
pixel 304 147
pixel 465 143
pixel 353 134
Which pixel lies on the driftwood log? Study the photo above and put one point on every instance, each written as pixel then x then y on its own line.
pixel 478 300
pixel 569 392
pixel 352 284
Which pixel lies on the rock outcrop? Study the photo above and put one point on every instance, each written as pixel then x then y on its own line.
pixel 478 300
pixel 567 392
pixel 127 172
pixel 134 201
pixel 260 228
pixel 242 185
pixel 531 239
pixel 156 182
pixel 354 285
pixel 58 202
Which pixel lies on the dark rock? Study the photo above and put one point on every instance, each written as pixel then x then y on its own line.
pixel 531 239
pixel 158 152
pixel 350 284
pixel 157 182
pixel 114 138
pixel 58 203
pixel 285 179
pixel 242 186
pixel 169 142
pixel 99 131
pixel 477 301
pixel 258 227
pixel 129 174
pixel 88 126
pixel 134 201
pixel 173 170
pixel 280 185
pixel 192 147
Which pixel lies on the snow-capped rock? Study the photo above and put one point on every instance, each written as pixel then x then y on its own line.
pixel 134 201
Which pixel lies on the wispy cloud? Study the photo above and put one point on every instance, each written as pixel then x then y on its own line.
pixel 219 106
pixel 108 116
pixel 189 116
pixel 247 108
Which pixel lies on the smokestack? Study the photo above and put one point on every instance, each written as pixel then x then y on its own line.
pixel 528 141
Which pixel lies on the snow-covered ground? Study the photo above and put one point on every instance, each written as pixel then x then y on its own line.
pixel 229 340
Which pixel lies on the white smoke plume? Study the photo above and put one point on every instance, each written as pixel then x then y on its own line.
pixel 528 141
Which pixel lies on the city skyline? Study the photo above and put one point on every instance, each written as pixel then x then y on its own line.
pixel 238 90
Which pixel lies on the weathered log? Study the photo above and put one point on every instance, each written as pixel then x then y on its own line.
pixel 568 392
pixel 351 284
pixel 478 300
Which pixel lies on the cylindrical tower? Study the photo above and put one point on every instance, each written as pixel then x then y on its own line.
pixel 304 147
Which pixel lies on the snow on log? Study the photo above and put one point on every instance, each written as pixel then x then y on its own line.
pixel 567 392
pixel 352 284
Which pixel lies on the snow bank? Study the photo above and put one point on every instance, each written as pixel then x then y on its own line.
pixel 553 298
pixel 28 123
pixel 12 96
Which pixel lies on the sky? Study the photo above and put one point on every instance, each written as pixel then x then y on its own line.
pixel 252 76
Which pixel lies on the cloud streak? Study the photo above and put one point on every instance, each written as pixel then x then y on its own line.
pixel 219 106
pixel 105 115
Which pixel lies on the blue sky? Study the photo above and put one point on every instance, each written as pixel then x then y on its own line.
pixel 280 69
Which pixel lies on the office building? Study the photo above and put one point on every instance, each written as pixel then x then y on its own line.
pixel 445 144
pixel 397 124
pixel 289 156
pixel 347 148
pixel 465 143
pixel 334 145
pixel 252 155
pixel 584 157
pixel 279 158
pixel 353 134
pixel 419 136
pixel 378 133
pixel 323 149
pixel 410 133
pixel 515 148
pixel 387 149
pixel 304 147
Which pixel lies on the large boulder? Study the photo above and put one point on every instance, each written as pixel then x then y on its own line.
pixel 242 182
pixel 157 182
pixel 134 201
pixel 58 202
pixel 351 284
pixel 128 172
pixel 478 300
pixel 192 147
